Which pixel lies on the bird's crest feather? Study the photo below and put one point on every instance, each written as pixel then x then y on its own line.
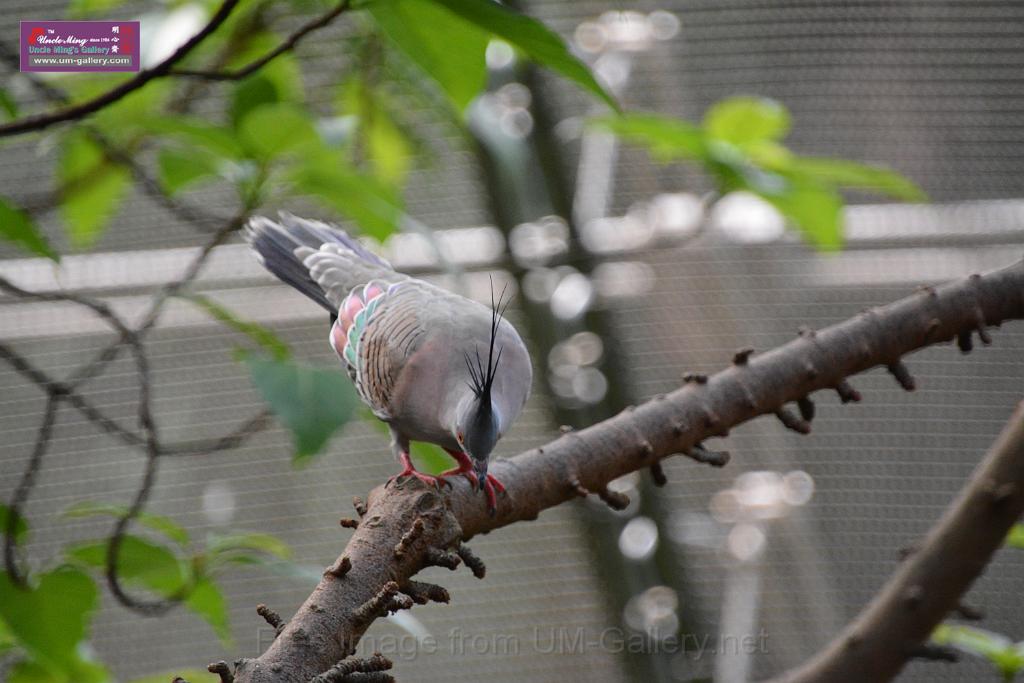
pixel 481 377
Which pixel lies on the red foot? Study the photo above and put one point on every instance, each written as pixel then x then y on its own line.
pixel 468 474
pixel 491 486
pixel 409 471
pixel 465 467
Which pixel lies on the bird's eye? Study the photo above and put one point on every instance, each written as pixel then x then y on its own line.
pixel 459 436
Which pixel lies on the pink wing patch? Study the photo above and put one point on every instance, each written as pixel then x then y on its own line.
pixel 353 314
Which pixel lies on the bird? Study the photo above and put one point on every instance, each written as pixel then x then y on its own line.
pixel 433 365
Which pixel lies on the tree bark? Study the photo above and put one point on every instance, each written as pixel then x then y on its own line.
pixel 328 625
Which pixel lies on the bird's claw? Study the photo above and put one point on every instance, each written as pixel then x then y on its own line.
pixel 492 487
pixel 427 479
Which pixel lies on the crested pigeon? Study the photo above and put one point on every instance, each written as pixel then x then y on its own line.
pixel 433 365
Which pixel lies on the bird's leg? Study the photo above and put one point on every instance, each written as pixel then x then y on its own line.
pixel 409 470
pixel 465 467
pixel 492 487
pixel 400 447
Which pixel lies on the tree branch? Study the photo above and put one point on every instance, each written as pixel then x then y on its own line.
pixel 78 111
pixel 287 46
pixel 327 627
pixel 166 68
pixel 929 583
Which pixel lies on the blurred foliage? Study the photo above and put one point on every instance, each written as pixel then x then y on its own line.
pixel 268 144
pixel 427 457
pixel 19 527
pixel 18 227
pixel 1015 539
pixel 739 143
pixel 263 337
pixel 46 623
pixel 312 402
pixel 46 627
pixel 1005 655
pixel 172 571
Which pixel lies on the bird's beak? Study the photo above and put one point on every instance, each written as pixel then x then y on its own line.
pixel 480 468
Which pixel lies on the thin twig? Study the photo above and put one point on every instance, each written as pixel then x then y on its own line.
pixel 78 111
pixel 254 425
pixel 257 64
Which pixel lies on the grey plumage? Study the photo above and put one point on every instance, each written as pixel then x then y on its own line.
pixel 419 355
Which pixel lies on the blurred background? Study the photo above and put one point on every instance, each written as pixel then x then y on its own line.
pixel 625 279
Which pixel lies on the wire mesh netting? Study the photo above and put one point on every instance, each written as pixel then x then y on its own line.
pixel 932 88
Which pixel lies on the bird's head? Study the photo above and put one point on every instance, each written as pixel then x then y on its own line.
pixel 478 422
pixel 477 431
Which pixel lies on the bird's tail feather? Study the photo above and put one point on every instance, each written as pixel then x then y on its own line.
pixel 276 244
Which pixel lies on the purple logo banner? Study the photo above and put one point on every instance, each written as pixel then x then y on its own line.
pixel 71 46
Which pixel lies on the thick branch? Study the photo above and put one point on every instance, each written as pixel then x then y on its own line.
pixel 929 583
pixel 323 631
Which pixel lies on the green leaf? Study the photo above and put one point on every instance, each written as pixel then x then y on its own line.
pixel 20 525
pixel 428 458
pixel 50 621
pixel 18 227
pixel 1015 539
pixel 7 104
pixel 179 169
pixel 190 675
pixel 448 49
pixel 251 93
pixel 745 120
pixel 258 333
pixel 207 600
pixel 384 143
pixel 127 119
pixel 84 8
pixel 7 641
pixel 272 129
pixel 278 81
pixel 140 562
pixel 304 573
pixel 852 174
pixel 1003 653
pixel 91 188
pixel 815 211
pixel 28 671
pixel 666 138
pixel 325 175
pixel 159 523
pixel 312 402
pixel 32 672
pixel 530 36
pixel 221 544
pixel 216 140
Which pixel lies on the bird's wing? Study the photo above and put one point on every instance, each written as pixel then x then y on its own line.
pixel 319 260
pixel 378 330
